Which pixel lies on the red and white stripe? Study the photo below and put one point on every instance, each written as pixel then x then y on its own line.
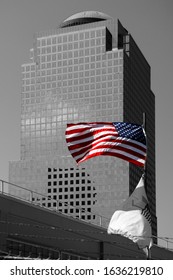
pixel 87 140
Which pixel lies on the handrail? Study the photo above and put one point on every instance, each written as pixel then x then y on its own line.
pixel 99 221
pixel 31 194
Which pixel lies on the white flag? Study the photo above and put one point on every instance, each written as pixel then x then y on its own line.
pixel 133 220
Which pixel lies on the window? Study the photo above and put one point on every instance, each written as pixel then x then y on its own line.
pixel 86 35
pixel 70 37
pixel 92 34
pixel 108 40
pixel 81 36
pixel 75 36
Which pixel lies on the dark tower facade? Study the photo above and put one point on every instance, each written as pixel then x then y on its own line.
pixel 88 69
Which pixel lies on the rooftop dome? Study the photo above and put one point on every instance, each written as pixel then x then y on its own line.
pixel 83 18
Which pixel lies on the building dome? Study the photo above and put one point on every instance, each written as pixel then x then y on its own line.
pixel 83 18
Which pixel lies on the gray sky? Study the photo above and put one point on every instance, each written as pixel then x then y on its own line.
pixel 150 23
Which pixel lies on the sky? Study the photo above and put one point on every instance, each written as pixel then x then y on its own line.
pixel 149 22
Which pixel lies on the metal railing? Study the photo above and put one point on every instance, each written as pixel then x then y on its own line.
pixel 35 198
pixel 46 201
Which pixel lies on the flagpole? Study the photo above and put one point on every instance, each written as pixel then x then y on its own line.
pixel 145 172
pixel 144 128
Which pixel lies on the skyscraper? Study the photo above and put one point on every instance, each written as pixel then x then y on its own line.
pixel 88 69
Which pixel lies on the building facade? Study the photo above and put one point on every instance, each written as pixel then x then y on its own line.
pixel 88 69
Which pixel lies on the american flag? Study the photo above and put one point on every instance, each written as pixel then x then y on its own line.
pixel 119 139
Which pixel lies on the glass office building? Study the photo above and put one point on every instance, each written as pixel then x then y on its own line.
pixel 88 69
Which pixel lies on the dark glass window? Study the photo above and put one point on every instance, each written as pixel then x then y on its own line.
pixel 108 40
